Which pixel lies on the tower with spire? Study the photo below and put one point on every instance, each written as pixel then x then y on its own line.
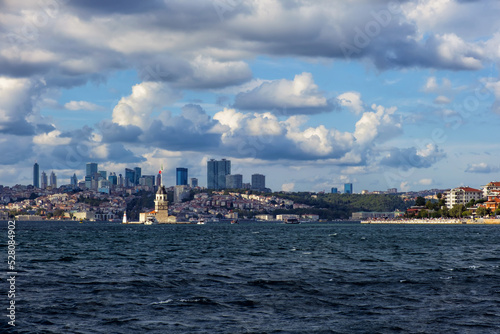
pixel 161 202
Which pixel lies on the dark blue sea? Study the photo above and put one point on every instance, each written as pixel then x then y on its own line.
pixel 100 277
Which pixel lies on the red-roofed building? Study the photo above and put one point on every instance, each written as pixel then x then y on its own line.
pixel 462 195
pixel 491 187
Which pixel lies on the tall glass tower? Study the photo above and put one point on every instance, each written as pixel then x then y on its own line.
pixel 216 173
pixel 348 188
pixel 36 175
pixel 91 169
pixel 181 176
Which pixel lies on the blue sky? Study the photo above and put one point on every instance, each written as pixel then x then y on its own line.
pixel 382 94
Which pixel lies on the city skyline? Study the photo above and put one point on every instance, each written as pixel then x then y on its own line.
pixel 313 95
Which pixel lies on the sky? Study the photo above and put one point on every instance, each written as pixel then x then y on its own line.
pixel 312 94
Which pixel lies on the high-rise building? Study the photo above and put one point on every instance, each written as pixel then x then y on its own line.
pixel 74 181
pixel 44 180
pixel 53 180
pixel 103 174
pixel 347 188
pixel 137 175
pixel 36 175
pixel 91 169
pixel 193 182
pixel 234 181
pixel 113 179
pixel 147 180
pixel 181 176
pixel 258 182
pixel 129 180
pixel 335 190
pixel 216 173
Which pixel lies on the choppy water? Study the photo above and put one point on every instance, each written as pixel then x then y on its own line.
pixel 255 278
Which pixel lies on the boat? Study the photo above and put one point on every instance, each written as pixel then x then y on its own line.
pixel 201 222
pixel 150 220
pixel 291 221
pixel 235 221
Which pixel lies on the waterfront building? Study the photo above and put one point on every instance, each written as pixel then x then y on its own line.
pixel 53 180
pixel 161 205
pixel 348 188
pixel 181 176
pixel 216 173
pixel 44 180
pixel 36 175
pixel 492 187
pixel 234 181
pixel 193 182
pixel 258 182
pixel 461 195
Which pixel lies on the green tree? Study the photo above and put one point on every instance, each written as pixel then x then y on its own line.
pixel 439 196
pixel 420 201
pixel 482 211
pixel 423 214
pixel 457 210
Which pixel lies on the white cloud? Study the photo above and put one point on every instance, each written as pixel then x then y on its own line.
pixel 51 139
pixel 146 97
pixel 352 101
pixel 482 168
pixel 442 100
pixel 82 105
pixel 288 187
pixel 381 124
pixel 425 182
pixel 285 97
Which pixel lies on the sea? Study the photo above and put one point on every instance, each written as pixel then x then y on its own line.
pixel 251 277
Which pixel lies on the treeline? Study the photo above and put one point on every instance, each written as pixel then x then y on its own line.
pixel 341 206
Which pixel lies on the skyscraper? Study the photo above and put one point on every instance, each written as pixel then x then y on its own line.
pixel 103 174
pixel 234 181
pixel 36 175
pixel 347 188
pixel 129 180
pixel 74 181
pixel 258 182
pixel 181 176
pixel 53 180
pixel 91 169
pixel 216 173
pixel 113 179
pixel 44 180
pixel 137 174
pixel 334 190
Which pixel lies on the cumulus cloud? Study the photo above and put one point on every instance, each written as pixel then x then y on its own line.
pixel 285 97
pixel 52 138
pixel 16 105
pixel 425 182
pixel 482 168
pixel 146 97
pixel 411 157
pixel 380 124
pixel 352 101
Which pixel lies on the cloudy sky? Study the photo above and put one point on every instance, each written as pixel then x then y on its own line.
pixel 311 94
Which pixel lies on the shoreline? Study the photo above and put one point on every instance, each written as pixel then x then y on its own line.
pixel 468 221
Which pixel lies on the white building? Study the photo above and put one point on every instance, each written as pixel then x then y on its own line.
pixel 491 187
pixel 462 195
